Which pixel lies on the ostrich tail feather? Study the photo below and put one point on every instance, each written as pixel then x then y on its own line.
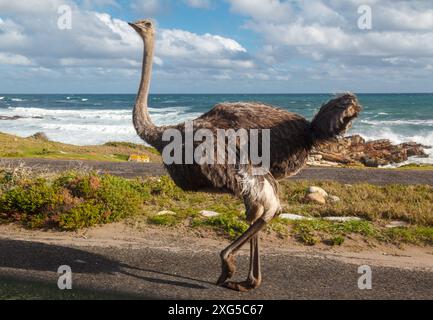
pixel 335 117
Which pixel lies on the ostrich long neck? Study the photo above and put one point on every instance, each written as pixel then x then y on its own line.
pixel 142 122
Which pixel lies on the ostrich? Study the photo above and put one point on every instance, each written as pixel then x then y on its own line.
pixel 291 139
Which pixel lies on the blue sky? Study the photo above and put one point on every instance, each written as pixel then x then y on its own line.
pixel 227 46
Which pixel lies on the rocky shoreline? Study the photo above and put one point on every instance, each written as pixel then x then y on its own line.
pixel 355 150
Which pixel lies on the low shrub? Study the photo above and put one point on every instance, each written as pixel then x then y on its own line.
pixel 71 201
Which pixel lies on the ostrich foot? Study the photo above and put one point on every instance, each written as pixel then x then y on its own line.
pixel 243 286
pixel 228 269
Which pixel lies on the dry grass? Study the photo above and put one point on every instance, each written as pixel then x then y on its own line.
pixel 16 147
pixel 411 203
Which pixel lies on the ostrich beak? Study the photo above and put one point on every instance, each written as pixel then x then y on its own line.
pixel 136 27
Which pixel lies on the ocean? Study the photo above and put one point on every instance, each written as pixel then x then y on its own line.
pixel 94 119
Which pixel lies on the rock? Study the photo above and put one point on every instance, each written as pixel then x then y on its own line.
pixel 314 189
pixel 369 162
pixel 290 216
pixel 397 224
pixel 342 219
pixel 321 163
pixel 139 158
pixel 336 158
pixel 317 157
pixel 315 197
pixel 414 149
pixel 209 214
pixel 166 212
pixel 354 150
pixel 334 198
pixel 18 117
pixel 355 140
pixel 40 136
pixel 10 118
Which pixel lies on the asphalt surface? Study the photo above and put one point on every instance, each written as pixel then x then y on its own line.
pixel 343 175
pixel 148 273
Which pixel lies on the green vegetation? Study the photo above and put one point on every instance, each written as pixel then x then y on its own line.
pixel 410 203
pixel 226 223
pixel 75 200
pixel 164 220
pixel 33 147
pixel 70 201
pixel 414 166
pixel 311 232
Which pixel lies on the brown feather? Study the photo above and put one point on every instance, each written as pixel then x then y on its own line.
pixel 292 137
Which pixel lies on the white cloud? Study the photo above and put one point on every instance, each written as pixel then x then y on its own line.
pixel 97 41
pixel 14 59
pixel 212 55
pixel 327 30
pixel 299 42
pixel 29 6
pixel 179 43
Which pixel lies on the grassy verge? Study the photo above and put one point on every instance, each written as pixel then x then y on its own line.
pixel 414 166
pixel 15 147
pixel 75 200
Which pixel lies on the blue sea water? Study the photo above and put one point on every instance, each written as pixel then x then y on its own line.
pixel 95 119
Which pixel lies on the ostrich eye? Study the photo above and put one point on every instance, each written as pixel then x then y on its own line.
pixel 148 24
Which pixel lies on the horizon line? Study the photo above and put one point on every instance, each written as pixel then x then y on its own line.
pixel 220 93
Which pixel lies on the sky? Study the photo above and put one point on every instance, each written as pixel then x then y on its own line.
pixel 226 46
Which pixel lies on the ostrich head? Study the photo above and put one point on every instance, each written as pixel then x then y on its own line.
pixel 144 28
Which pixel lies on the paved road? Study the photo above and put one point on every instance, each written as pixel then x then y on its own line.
pixel 148 273
pixel 130 170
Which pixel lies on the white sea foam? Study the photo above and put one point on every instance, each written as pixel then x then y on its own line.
pixel 1 98
pixel 17 99
pixel 397 138
pixel 398 122
pixel 86 126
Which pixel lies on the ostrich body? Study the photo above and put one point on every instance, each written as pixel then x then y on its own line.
pixel 291 139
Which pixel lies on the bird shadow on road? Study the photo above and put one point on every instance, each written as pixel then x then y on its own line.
pixel 36 256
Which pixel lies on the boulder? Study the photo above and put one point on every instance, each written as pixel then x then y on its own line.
pixel 316 198
pixel 166 212
pixel 290 216
pixel 397 224
pixel 10 117
pixel 209 214
pixel 342 219
pixel 333 198
pixel 40 136
pixel 314 189
pixel 354 150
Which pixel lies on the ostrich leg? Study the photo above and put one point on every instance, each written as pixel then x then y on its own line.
pixel 228 254
pixel 254 276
